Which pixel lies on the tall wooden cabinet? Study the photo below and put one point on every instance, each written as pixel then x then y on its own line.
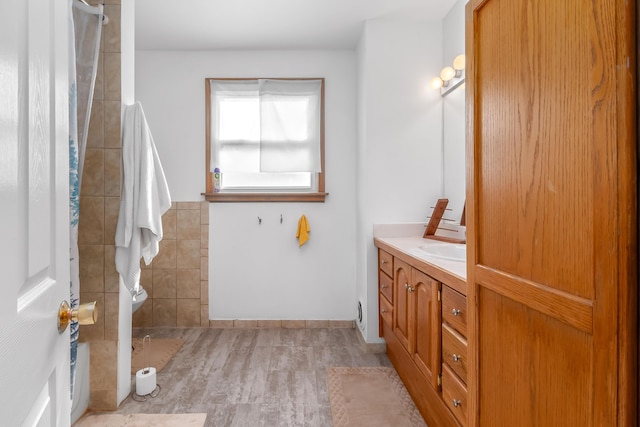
pixel 551 213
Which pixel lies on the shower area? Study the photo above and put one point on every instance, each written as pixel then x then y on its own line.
pixel 95 158
pixel 86 30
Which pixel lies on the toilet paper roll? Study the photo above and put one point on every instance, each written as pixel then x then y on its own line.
pixel 145 382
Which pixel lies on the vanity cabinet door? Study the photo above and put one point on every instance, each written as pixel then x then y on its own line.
pixel 401 286
pixel 424 339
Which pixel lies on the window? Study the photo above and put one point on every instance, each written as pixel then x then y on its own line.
pixel 267 138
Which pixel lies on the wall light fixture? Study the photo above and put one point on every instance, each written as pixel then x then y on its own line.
pixel 450 77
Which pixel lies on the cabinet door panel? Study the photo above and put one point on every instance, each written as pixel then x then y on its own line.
pixel 401 282
pixel 424 340
pixel 538 370
pixel 551 197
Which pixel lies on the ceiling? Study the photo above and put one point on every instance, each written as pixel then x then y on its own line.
pixel 268 24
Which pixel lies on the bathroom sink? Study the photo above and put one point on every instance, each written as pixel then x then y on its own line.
pixel 448 251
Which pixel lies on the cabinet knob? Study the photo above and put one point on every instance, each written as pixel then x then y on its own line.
pixel 383 286
pixel 383 311
pixel 456 403
pixel 411 289
pixel 384 261
pixel 456 358
pixel 455 312
pixel 406 286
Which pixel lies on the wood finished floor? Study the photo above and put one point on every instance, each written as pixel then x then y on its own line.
pixel 253 377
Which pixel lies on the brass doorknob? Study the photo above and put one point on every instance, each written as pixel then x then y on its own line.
pixel 85 314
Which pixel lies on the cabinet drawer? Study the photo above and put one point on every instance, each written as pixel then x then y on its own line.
pixel 454 351
pixel 454 309
pixel 385 262
pixel 454 393
pixel 386 286
pixel 386 310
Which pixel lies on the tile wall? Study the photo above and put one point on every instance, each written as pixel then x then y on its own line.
pixel 99 204
pixel 177 279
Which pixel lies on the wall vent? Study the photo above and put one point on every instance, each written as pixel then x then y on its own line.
pixel 360 316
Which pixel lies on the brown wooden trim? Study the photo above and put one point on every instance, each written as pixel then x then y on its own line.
pixel 627 91
pixel 565 307
pixel 207 121
pixel 269 197
pixel 630 397
pixel 473 398
pixel 265 197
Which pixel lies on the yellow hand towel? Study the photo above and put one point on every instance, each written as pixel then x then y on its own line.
pixel 303 230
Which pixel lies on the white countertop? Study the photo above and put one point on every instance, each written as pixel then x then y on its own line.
pixel 407 238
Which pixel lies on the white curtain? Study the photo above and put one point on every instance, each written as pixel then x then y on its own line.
pixel 266 125
pixel 85 26
pixel 235 130
pixel 74 201
pixel 88 31
pixel 290 125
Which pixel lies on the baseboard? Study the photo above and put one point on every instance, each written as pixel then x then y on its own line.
pixel 291 324
pixel 374 348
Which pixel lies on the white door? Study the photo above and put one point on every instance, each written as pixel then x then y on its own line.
pixel 34 218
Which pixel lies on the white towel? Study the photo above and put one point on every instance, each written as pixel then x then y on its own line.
pixel 144 198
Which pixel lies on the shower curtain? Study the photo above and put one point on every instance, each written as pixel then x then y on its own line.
pixel 85 28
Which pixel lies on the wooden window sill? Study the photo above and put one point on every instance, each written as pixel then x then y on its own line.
pixel 265 197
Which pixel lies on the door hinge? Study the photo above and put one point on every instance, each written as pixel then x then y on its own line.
pixel 439 380
pixel 439 295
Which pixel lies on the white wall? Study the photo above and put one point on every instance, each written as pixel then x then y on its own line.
pixel 399 138
pixel 382 120
pixel 258 271
pixel 453 44
pixel 453 32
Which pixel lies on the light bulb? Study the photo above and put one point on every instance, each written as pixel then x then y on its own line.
pixel 459 62
pixel 447 74
pixel 436 83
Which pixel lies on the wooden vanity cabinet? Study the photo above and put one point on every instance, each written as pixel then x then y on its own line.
pixel 385 289
pixel 414 336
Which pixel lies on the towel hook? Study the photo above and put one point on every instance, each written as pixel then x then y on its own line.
pixel 259 220
pixel 280 218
